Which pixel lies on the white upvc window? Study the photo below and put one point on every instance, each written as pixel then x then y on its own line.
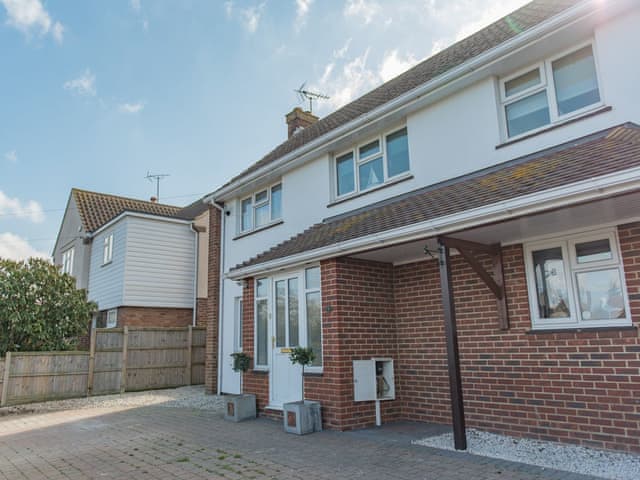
pixel 261 357
pixel 313 313
pixel 371 163
pixel 551 91
pixel 67 261
pixel 577 282
pixel 237 324
pixel 107 249
pixel 262 208
pixel 112 318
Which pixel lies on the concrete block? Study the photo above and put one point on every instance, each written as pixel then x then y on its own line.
pixel 302 417
pixel 239 407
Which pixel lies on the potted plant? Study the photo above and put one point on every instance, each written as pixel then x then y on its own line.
pixel 303 416
pixel 243 406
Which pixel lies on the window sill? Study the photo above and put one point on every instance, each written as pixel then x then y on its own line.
pixel 260 370
pixel 317 373
pixel 106 264
pixel 260 229
pixel 581 330
pixel 549 128
pixel 388 183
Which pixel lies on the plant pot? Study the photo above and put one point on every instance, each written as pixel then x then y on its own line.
pixel 239 407
pixel 302 417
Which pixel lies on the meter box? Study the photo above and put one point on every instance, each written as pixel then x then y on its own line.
pixel 373 380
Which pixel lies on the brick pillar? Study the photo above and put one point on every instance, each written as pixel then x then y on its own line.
pixel 213 302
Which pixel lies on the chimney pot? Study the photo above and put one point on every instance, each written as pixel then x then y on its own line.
pixel 154 199
pixel 298 119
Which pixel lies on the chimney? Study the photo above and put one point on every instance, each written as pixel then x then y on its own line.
pixel 298 119
pixel 153 199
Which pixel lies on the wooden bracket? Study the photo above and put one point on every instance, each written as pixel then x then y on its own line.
pixel 494 282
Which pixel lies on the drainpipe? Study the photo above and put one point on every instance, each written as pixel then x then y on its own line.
pixel 194 229
pixel 221 294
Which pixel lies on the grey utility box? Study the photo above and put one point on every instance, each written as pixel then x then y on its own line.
pixel 302 417
pixel 239 407
pixel 373 380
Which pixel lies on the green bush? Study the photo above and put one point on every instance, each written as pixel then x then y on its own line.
pixel 40 307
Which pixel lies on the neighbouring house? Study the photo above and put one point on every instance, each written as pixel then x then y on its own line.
pixel 142 262
pixel 473 224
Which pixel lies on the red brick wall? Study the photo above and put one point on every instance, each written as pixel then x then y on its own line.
pixel 211 310
pixel 154 317
pixel 202 312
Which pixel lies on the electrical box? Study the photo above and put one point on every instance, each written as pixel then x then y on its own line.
pixel 373 380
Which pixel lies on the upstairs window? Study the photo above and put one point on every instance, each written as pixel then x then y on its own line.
pixel 550 92
pixel 67 261
pixel 107 249
pixel 372 163
pixel 261 209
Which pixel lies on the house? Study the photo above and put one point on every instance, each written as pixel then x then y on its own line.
pixel 143 263
pixel 467 233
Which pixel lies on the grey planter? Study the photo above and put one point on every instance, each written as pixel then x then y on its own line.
pixel 239 407
pixel 302 417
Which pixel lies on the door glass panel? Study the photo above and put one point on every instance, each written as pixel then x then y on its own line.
pixel 526 114
pixel 314 326
pixel 294 328
pixel 594 251
pixel 522 83
pixel 600 295
pixel 551 285
pixel 281 333
pixel 575 80
pixel 371 173
pixel 262 340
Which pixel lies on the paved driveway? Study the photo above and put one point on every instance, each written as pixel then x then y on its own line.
pixel 155 442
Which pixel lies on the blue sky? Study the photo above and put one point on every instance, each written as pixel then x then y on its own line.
pixel 93 94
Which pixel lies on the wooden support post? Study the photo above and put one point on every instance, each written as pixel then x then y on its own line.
pixel 189 354
pixel 453 356
pixel 5 383
pixel 123 373
pixel 92 361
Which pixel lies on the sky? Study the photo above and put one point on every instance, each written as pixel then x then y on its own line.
pixel 96 94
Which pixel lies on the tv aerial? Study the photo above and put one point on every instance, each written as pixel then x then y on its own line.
pixel 157 177
pixel 304 95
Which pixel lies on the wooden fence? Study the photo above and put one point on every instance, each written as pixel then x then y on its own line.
pixel 119 360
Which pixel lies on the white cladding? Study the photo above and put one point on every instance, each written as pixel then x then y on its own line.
pixel 153 265
pixel 457 135
pixel 71 236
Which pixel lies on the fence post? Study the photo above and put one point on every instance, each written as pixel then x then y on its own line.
pixel 92 361
pixel 5 383
pixel 123 373
pixel 189 354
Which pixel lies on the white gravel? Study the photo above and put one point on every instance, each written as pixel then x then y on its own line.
pixel 183 397
pixel 571 458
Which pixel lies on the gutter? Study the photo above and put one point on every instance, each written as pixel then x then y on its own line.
pixel 196 269
pixel 588 7
pixel 563 196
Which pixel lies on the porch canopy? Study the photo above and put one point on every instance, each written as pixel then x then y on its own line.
pixel 594 180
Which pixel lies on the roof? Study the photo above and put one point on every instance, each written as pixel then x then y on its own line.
pixel 608 151
pixel 194 209
pixel 97 209
pixel 484 40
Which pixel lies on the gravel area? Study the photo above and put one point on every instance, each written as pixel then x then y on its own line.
pixel 183 397
pixel 571 458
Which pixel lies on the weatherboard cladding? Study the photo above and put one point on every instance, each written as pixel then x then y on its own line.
pixel 608 151
pixel 486 39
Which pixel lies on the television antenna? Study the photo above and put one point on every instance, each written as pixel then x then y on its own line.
pixel 157 177
pixel 304 95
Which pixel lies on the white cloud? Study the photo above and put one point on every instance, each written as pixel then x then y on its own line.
pixel 342 51
pixel 131 107
pixel 250 17
pixel 302 10
pixel 135 5
pixel 84 85
pixel 393 65
pixel 11 156
pixel 14 207
pixel 228 9
pixel 14 247
pixel 366 10
pixel 29 15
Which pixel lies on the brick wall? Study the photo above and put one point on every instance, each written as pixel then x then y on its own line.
pixel 211 310
pixel 202 312
pixel 154 317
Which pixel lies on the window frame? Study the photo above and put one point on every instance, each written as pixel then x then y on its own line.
pixel 107 249
pixel 255 205
pixel 306 290
pixel 111 311
pixel 67 260
pixel 547 84
pixel 356 161
pixel 572 268
pixel 256 365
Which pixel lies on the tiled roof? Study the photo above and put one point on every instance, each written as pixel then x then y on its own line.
pixel 609 151
pixel 194 209
pixel 490 37
pixel 96 209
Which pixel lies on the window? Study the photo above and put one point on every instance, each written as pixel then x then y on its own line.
pixel 577 282
pixel 112 318
pixel 313 307
pixel 262 322
pixel 550 92
pixel 107 250
pixel 237 324
pixel 260 209
pixel 67 261
pixel 372 163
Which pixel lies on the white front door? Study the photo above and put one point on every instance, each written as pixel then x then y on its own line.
pixel 288 330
